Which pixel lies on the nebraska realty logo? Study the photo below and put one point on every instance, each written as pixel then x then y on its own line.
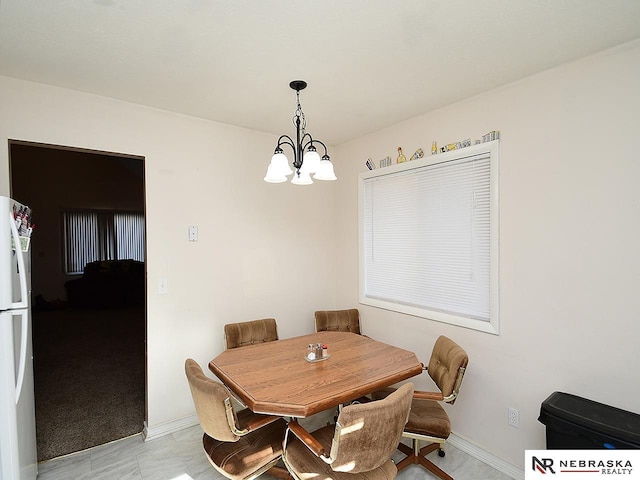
pixel 584 464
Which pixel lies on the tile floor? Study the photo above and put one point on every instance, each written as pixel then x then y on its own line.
pixel 179 456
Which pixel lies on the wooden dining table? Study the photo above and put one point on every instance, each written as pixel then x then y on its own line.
pixel 276 378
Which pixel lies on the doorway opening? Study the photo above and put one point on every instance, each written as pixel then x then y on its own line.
pixel 89 321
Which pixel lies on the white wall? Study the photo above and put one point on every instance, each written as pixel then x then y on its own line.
pixel 569 245
pixel 262 249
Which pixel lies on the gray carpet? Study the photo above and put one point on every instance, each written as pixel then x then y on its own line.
pixel 89 369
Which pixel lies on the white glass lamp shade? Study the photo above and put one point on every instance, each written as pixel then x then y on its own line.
pixel 310 162
pixel 273 175
pixel 302 178
pixel 325 171
pixel 281 163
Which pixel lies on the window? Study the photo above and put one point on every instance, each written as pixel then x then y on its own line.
pixel 89 236
pixel 429 237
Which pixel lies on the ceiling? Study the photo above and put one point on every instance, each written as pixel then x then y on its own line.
pixel 368 63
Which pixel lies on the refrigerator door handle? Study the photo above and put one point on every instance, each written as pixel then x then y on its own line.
pixel 24 335
pixel 21 271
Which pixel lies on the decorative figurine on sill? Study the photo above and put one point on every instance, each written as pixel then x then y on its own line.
pixel 385 162
pixel 401 157
pixel 434 148
pixel 418 154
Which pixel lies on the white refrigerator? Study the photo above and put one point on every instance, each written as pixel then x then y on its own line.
pixel 18 456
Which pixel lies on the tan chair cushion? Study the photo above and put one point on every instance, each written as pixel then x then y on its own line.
pixel 236 457
pixel 427 417
pixel 338 320
pixel 367 434
pixel 251 332
pixel 238 460
pixel 306 465
pixel 361 443
pixel 208 398
pixel 446 359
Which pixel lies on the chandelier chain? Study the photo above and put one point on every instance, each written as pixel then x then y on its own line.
pixel 300 114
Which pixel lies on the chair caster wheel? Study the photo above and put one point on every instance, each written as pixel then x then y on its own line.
pixel 440 452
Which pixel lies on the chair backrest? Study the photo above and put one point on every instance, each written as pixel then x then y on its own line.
pixel 367 434
pixel 249 333
pixel 446 367
pixel 338 320
pixel 209 399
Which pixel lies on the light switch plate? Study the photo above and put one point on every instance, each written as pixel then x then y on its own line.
pixel 163 286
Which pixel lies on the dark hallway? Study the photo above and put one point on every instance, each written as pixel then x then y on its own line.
pixel 89 355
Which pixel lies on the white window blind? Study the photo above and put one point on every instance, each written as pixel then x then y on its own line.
pixel 426 238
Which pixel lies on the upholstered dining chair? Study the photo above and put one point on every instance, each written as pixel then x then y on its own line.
pixel 338 320
pixel 428 421
pixel 240 445
pixel 248 333
pixel 359 446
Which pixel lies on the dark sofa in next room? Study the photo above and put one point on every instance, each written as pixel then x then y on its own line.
pixel 108 284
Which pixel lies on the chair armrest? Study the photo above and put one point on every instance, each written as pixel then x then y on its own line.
pixel 247 421
pixel 259 421
pixel 418 395
pixel 305 437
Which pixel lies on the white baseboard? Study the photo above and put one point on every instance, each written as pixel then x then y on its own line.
pixel 486 457
pixel 157 431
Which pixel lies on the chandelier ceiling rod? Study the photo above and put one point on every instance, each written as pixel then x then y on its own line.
pixel 306 160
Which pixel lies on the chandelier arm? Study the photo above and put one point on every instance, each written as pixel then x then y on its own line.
pixel 288 141
pixel 297 153
pixel 312 141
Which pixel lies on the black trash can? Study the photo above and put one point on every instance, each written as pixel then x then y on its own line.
pixel 575 423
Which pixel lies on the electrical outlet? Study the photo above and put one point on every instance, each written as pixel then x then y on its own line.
pixel 193 233
pixel 514 418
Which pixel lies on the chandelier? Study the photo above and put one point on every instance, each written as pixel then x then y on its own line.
pixel 306 160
